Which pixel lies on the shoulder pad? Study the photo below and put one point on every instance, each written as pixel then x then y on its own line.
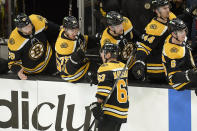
pixel 111 67
pixel 172 16
pixel 64 46
pixel 38 21
pixel 173 51
pixel 127 25
pixel 156 28
pixel 106 37
pixel 16 41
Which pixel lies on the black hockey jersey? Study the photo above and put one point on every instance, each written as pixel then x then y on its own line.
pixel 64 49
pixel 117 106
pixel 149 50
pixel 123 40
pixel 176 58
pixel 31 52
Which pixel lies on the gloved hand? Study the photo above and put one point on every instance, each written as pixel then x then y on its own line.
pixel 138 70
pixel 97 111
pixel 191 75
pixel 78 56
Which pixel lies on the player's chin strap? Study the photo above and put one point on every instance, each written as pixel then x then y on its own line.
pixel 114 86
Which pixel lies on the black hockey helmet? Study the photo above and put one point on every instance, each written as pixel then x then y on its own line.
pixel 158 3
pixel 109 47
pixel 176 24
pixel 22 20
pixel 114 18
pixel 70 22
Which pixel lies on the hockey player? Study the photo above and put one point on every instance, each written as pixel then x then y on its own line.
pixel 71 47
pixel 111 115
pixel 177 59
pixel 120 32
pixel 148 57
pixel 149 50
pixel 29 49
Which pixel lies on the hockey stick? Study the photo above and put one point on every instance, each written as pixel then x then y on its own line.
pixel 114 86
pixel 70 8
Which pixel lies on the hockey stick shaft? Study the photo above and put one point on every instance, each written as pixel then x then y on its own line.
pixel 114 86
pixel 70 8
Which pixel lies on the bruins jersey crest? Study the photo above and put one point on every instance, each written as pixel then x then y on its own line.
pixel 174 50
pixel 36 51
pixel 64 45
pixel 153 26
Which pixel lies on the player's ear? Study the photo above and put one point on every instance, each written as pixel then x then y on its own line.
pixel 108 55
pixel 157 12
pixel 173 34
pixel 111 28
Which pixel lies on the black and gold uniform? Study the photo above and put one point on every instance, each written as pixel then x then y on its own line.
pixel 71 61
pixel 33 52
pixel 177 61
pixel 124 41
pixel 117 106
pixel 150 48
pixel 70 70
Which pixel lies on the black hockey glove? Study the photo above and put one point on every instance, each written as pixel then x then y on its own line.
pixel 186 76
pixel 191 75
pixel 78 57
pixel 97 111
pixel 138 70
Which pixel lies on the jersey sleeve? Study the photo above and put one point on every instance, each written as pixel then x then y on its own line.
pixel 14 61
pixel 105 84
pixel 144 48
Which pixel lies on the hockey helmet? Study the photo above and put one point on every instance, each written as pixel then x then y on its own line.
pixel 70 22
pixel 176 24
pixel 22 20
pixel 114 18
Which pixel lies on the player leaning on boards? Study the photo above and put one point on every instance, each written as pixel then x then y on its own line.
pixel 29 49
pixel 71 47
pixel 120 31
pixel 177 59
pixel 115 111
pixel 148 57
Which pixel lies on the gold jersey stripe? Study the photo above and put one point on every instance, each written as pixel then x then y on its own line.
pixel 115 115
pixel 115 107
pixel 181 86
pixel 105 87
pixel 155 71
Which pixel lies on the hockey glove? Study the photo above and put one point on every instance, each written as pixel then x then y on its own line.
pixel 191 75
pixel 97 111
pixel 138 70
pixel 78 57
